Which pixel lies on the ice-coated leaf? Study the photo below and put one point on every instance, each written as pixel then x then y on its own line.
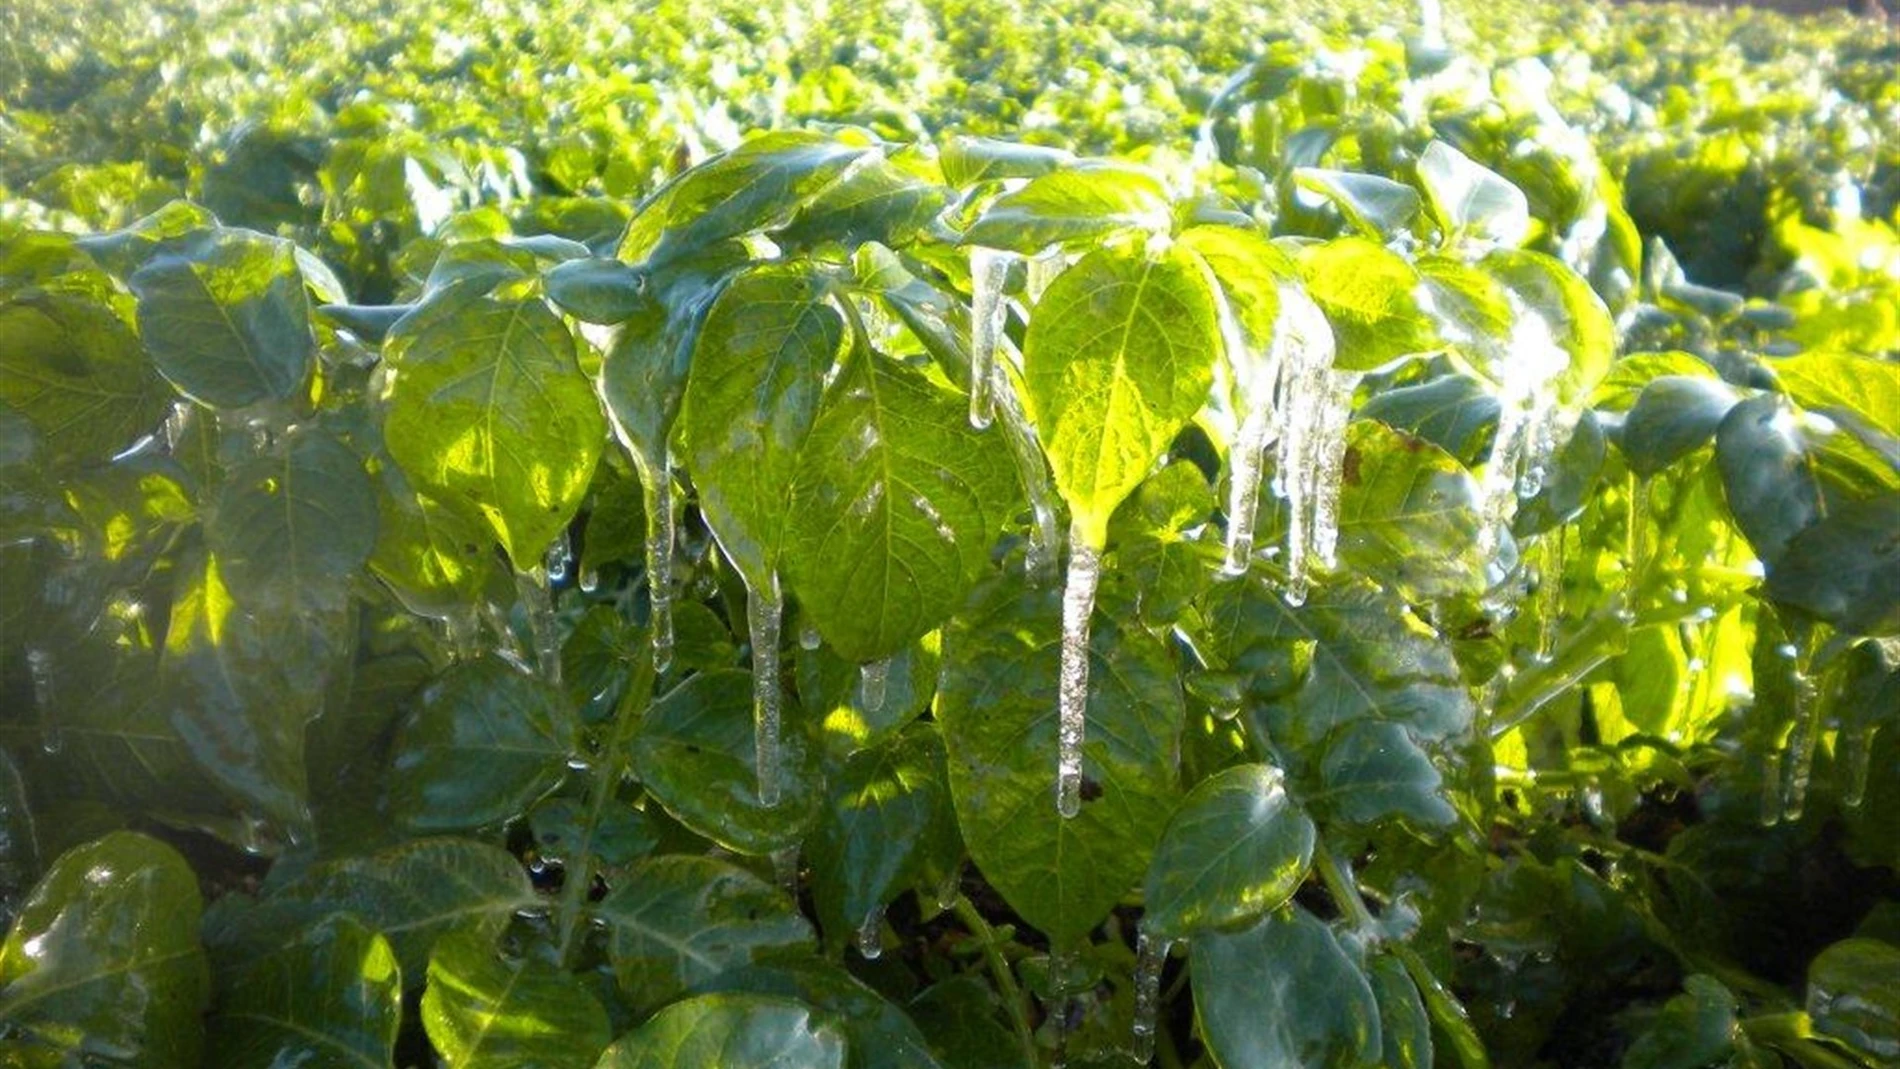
pixel 1284 994
pixel 1236 848
pixel 875 200
pixel 886 823
pixel 969 160
pixel 1674 416
pixel 103 967
pixel 225 317
pixel 694 751
pixel 1452 412
pixel 1471 200
pixel 643 374
pixel 997 706
pixel 482 1010
pixel 484 741
pixel 1405 1029
pixel 1372 770
pixel 1250 270
pixel 1845 569
pixel 1408 515
pixel 894 509
pixel 1693 1029
pixel 291 528
pixel 489 413
pixel 329 999
pixel 1854 996
pixel 1376 206
pixel 1085 201
pixel 674 922
pixel 729 1032
pixel 1370 296
pixel 1772 490
pixel 595 290
pixel 1577 318
pixel 76 373
pixel 411 893
pixel 1842 382
pixel 877 1034
pixel 831 691
pixel 437 560
pixel 1119 357
pixel 758 371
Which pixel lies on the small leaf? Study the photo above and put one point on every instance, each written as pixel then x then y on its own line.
pixel 1375 206
pixel 1369 295
pixel 1372 770
pixel 1405 1029
pixel 729 1032
pixel 875 200
pixel 1846 568
pixel 594 290
pixel 969 160
pixel 1080 203
pixel 1236 848
pixel 330 999
pixel 1854 996
pixel 1772 490
pixel 1408 515
pixel 1674 416
pixel 484 1011
pixel 1695 1029
pixel 1281 994
pixel 1471 200
pixel 1452 412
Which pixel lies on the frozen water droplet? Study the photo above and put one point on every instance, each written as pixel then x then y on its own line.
pixel 1550 591
pixel 559 560
pixel 538 601
pixel 989 315
pixel 1151 955
pixel 950 889
pixel 1078 605
pixel 1302 394
pixel 763 610
pixel 1856 748
pixel 1797 767
pixel 589 580
pixel 808 636
pixel 871 935
pixel 873 681
pixel 1043 269
pixel 1243 491
pixel 1329 463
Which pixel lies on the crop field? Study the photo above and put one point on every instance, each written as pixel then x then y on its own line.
pixel 923 534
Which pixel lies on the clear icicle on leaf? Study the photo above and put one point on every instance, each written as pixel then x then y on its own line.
pixel 1856 749
pixel 1150 956
pixel 1302 394
pixel 989 315
pixel 871 935
pixel 559 560
pixel 1550 592
pixel 1527 426
pixel 1256 379
pixel 764 610
pixel 657 497
pixel 1797 764
pixel 1045 531
pixel 1072 696
pixel 1043 269
pixel 39 667
pixel 538 602
pixel 873 684
pixel 1329 462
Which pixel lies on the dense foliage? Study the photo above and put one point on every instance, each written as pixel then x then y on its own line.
pixel 926 535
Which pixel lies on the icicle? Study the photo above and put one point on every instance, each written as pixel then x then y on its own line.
pixel 39 667
pixel 1150 956
pixel 1638 535
pixel 1043 269
pixel 1542 439
pixel 785 869
pixel 656 490
pixel 1856 751
pixel 532 588
pixel 873 681
pixel 1550 592
pixel 950 888
pixel 1329 464
pixel 1243 487
pixel 808 636
pixel 1797 764
pixel 507 643
pixel 989 315
pixel 763 609
pixel 1305 340
pixel 1045 533
pixel 1078 604
pixel 1769 812
pixel 589 580
pixel 871 935
pixel 1431 24
pixel 1527 423
pixel 464 628
pixel 559 560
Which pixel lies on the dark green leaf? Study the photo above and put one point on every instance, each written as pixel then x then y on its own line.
pixel 1674 416
pixel 1283 994
pixel 77 374
pixel 1236 848
pixel 875 200
pixel 1405 1030
pixel 484 1011
pixel 330 999
pixel 1452 412
pixel 877 1034
pixel 1372 770
pixel 1772 491
pixel 1695 1029
pixel 729 1032
pixel 969 160
pixel 291 528
pixel 597 291
pixel 1854 996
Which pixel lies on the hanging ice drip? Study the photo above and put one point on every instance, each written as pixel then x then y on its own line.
pixel 1531 424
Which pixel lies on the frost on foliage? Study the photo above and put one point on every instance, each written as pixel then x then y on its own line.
pixel 989 314
pixel 1530 425
pixel 764 610
pixel 1072 698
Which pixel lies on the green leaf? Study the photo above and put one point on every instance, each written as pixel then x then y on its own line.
pixel 622 835
pixel 594 290
pixel 894 507
pixel 729 1032
pixel 643 375
pixel 1372 770
pixel 226 318
pixel 831 691
pixel 434 558
pixel 758 372
pixel 1408 515
pixel 484 1011
pixel 1471 200
pixel 1369 295
pixel 1236 848
pixel 877 1034
pixel 490 414
pixel 1452 412
pixel 1695 1029
pixel 694 751
pixel 1841 382
pixel 969 160
pixel 103 966
pixel 1846 568
pixel 675 922
pixel 1405 1029
pixel 485 740
pixel 330 999
pixel 291 528
pixel 1854 996
pixel 76 372
pixel 1772 490
pixel 1250 269
pixel 1674 416
pixel 1578 321
pixel 1375 206
pixel 997 705
pixel 886 823
pixel 1118 359
pixel 875 200
pixel 1081 203
pixel 1283 994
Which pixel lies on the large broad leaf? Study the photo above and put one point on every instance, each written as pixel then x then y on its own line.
pixel 103 966
pixel 1284 995
pixel 1408 514
pixel 694 752
pixel 878 1035
pixel 997 706
pixel 484 1011
pixel 1471 200
pixel 969 160
pixel 485 741
pixel 489 413
pixel 1854 996
pixel 675 922
pixel 1086 201
pixel 1377 207
pixel 1370 296
pixel 1250 270
pixel 887 820
pixel 896 503
pixel 226 318
pixel 1771 487
pixel 412 894
pixel 875 200
pixel 291 528
pixel 1236 848
pixel 1846 568
pixel 758 372
pixel 1372 770
pixel 1119 357
pixel 1370 658
pixel 77 373
pixel 1575 316
pixel 330 999
pixel 729 1032
pixel 1843 383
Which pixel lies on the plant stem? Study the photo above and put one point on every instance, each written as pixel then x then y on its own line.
pixel 611 766
pixel 1786 1030
pixel 1337 877
pixel 1013 998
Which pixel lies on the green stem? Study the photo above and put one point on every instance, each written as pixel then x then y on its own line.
pixel 611 766
pixel 1577 656
pixel 1337 876
pixel 1013 998
pixel 1794 1029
